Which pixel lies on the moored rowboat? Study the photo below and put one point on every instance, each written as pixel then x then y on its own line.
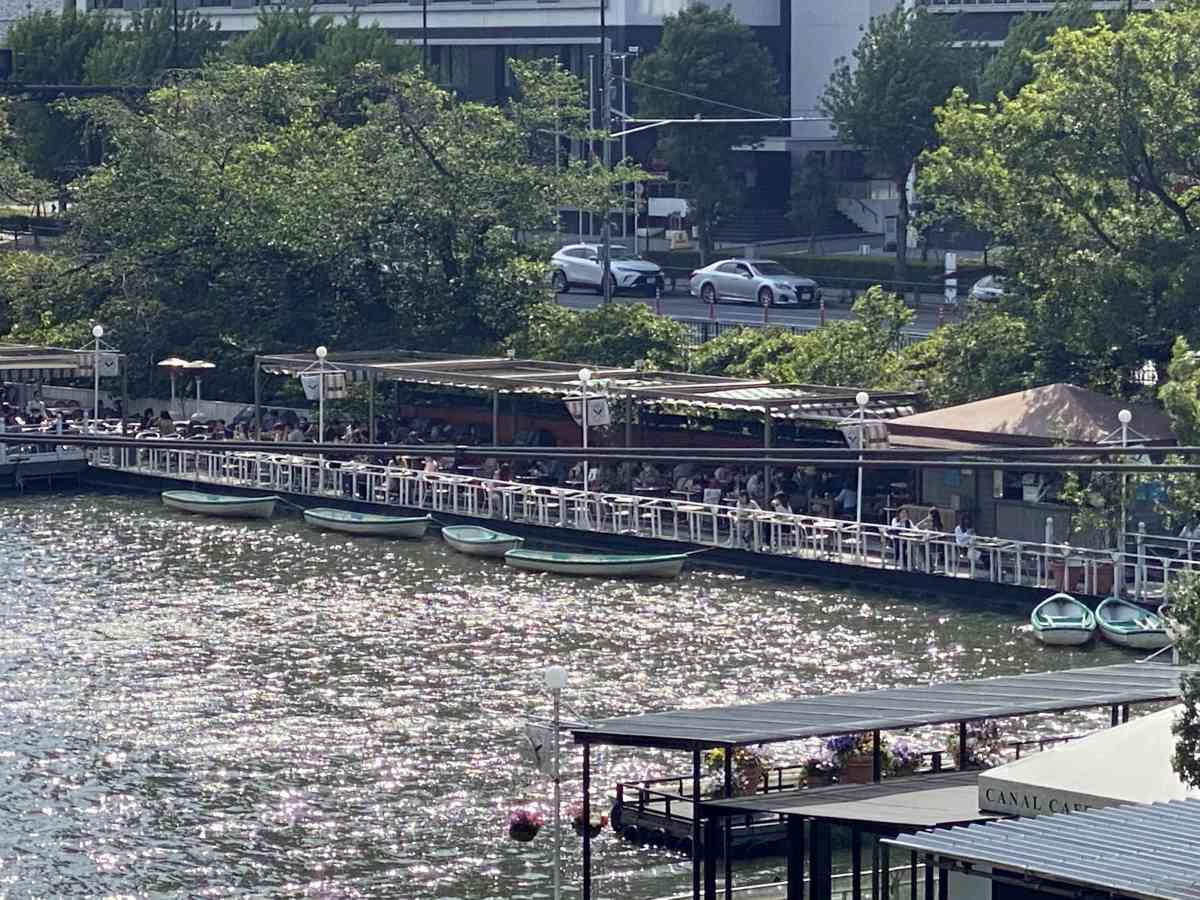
pixel 1062 621
pixel 223 505
pixel 623 565
pixel 349 522
pixel 1131 626
pixel 476 541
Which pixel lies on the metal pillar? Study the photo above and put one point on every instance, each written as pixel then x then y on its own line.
pixel 370 407
pixel 912 876
pixel 124 391
pixel 587 817
pixel 495 417
pixel 606 151
pixel 766 446
pixel 795 858
pixel 876 757
pixel 928 878
pixel 855 862
pixel 711 834
pixel 1116 716
pixel 629 422
pixel 696 841
pixel 257 400
pixel 822 860
pixel 962 746
pixel 884 887
pixel 728 829
pixel 1125 713
pixel 943 884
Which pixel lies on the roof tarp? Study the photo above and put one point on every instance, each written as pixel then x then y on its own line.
pixel 1082 774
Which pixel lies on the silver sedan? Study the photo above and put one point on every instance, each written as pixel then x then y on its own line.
pixel 758 281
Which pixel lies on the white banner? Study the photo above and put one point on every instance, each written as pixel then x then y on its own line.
pixel 597 412
pixel 335 385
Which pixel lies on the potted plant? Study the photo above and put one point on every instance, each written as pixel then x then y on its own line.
pixel 598 820
pixel 903 758
pixel 749 768
pixel 524 824
pixel 853 754
pixel 819 770
pixel 984 747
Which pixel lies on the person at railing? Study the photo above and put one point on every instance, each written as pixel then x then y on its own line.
pixel 901 523
pixel 239 432
pixel 779 503
pixel 488 468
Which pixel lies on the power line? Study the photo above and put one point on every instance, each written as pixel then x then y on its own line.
pixel 656 87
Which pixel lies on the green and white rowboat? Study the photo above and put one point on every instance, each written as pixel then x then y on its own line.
pixel 1062 621
pixel 223 505
pixel 366 523
pixel 611 565
pixel 475 541
pixel 1128 625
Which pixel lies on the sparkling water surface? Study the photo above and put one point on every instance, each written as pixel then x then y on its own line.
pixel 196 707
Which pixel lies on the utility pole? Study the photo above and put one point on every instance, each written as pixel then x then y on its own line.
pixel 425 36
pixel 606 126
pixel 175 34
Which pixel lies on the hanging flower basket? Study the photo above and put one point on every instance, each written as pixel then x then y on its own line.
pixel 598 820
pixel 524 824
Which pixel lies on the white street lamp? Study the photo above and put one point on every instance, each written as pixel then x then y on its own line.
pixel 862 398
pixel 97 333
pixel 322 352
pixel 585 379
pixel 1124 417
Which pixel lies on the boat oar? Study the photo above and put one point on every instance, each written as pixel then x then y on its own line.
pixel 295 506
pixel 698 552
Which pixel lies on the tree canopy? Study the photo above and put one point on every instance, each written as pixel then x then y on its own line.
pixel 614 334
pixel 1089 179
pixel 709 64
pixel 883 100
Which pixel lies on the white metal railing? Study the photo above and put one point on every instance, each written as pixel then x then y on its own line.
pixel 1144 574
pixel 898 884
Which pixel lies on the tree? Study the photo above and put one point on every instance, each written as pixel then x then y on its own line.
pixel 153 42
pixel 614 334
pixel 1180 396
pixel 986 354
pixel 883 102
pixel 1184 617
pixel 709 55
pixel 1012 66
pixel 281 35
pixel 814 199
pixel 1090 180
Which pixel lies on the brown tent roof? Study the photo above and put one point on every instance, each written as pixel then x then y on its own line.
pixel 1039 416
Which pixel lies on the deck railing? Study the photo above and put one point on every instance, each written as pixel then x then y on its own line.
pixel 1143 574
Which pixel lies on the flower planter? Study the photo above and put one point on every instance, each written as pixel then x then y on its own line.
pixel 523 833
pixel 857 770
pixel 818 779
pixel 593 831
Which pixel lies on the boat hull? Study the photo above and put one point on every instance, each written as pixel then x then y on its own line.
pixel 1131 626
pixel 488 543
pixel 1063 637
pixel 1062 621
pixel 220 505
pixel 668 566
pixel 364 524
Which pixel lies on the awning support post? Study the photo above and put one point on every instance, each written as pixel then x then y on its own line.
pixel 962 746
pixel 928 878
pixel 1116 716
pixel 876 757
pixel 1125 713
pixel 822 860
pixel 712 831
pixel 696 841
pixel 883 874
pixel 728 830
pixel 629 420
pixel 587 817
pixel 912 876
pixel 943 884
pixel 257 399
pixel 495 417
pixel 855 862
pixel 370 406
pixel 124 391
pixel 795 858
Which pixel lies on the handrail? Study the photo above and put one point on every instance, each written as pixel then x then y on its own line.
pixel 787 534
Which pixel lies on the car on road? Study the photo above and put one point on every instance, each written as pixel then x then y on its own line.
pixel 760 281
pixel 988 288
pixel 578 265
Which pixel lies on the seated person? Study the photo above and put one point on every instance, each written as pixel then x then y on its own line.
pixel 166 425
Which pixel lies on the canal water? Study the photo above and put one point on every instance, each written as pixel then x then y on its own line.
pixel 194 707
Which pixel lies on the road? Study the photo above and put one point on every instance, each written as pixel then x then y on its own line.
pixel 681 306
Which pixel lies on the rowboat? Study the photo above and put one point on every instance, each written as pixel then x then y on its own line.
pixel 1062 621
pixel 348 522
pixel 666 565
pixel 475 541
pixel 222 505
pixel 1131 626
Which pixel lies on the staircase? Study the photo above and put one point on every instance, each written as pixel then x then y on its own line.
pixel 754 226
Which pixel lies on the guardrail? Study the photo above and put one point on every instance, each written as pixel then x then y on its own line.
pixel 1141 575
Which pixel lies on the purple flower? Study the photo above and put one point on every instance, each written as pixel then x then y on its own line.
pixel 522 817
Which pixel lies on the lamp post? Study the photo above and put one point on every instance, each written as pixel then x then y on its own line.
pixel 555 679
pixel 585 379
pixel 97 333
pixel 862 398
pixel 322 352
pixel 1124 417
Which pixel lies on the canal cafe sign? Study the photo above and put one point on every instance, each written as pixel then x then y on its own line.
pixel 1127 764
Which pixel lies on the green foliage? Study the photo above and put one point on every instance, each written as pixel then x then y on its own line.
pixel 1184 616
pixel 707 53
pixel 883 102
pixel 613 334
pixel 860 353
pixel 1089 179
pixel 986 354
pixel 281 35
pixel 814 198
pixel 1012 66
pixel 150 45
pixel 1180 396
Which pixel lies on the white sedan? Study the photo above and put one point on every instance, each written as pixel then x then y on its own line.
pixel 758 281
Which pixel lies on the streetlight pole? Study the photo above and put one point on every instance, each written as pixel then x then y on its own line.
pixel 322 352
pixel 97 333
pixel 585 378
pixel 862 398
pixel 606 149
pixel 425 35
pixel 555 678
pixel 1124 417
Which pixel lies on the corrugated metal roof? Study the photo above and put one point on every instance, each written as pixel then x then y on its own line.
pixel 1152 852
pixel 906 707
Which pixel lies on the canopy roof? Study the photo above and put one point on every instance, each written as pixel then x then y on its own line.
pixel 1047 415
pixel 908 707
pixel 559 379
pixel 1080 774
pixel 30 362
pixel 1133 851
pixel 923 802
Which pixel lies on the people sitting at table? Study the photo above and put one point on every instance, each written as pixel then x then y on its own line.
pixel 712 493
pixel 488 468
pixel 147 421
pixel 648 477
pixel 779 503
pixel 166 425
pixel 504 473
pixel 431 466
pixel 847 501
